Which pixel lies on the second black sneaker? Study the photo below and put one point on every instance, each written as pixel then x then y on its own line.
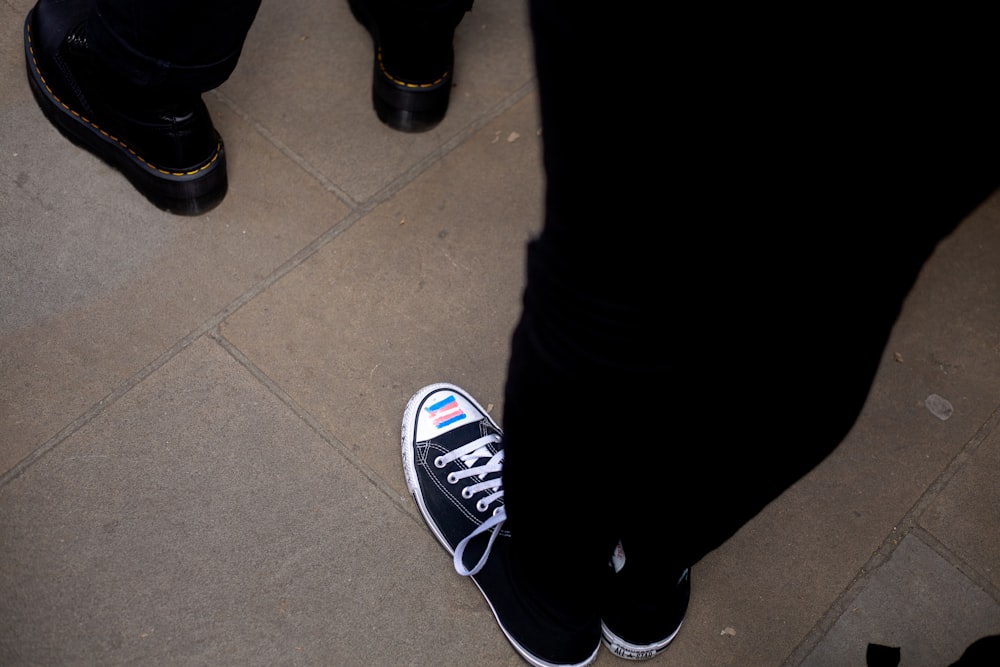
pixel 637 621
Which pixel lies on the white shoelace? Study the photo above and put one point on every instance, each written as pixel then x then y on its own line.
pixel 470 454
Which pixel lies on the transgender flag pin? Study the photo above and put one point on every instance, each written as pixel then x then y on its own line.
pixel 445 412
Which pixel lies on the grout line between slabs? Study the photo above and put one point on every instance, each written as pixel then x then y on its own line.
pixel 211 323
pixel 400 501
pixel 959 563
pixel 387 191
pixel 907 525
pixel 286 150
pixel 358 211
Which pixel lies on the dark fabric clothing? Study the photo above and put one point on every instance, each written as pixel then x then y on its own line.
pixel 984 652
pixel 736 210
pixel 182 46
pixel 194 45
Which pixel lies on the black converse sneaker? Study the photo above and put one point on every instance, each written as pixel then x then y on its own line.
pixel 636 623
pixel 453 459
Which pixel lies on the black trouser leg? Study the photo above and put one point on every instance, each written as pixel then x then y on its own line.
pixel 187 45
pixel 702 328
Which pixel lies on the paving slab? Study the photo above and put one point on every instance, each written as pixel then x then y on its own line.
pixel 306 73
pixel 901 606
pixel 200 521
pixel 425 288
pixel 965 516
pixel 97 284
pixel 100 284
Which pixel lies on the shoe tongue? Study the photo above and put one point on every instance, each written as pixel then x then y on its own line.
pixel 472 458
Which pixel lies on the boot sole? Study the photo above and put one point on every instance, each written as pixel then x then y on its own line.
pixel 409 107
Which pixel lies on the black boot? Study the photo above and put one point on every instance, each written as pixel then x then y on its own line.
pixel 414 58
pixel 165 144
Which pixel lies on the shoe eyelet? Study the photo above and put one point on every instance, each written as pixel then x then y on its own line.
pixel 439 462
pixel 496 511
pixel 467 494
pixel 452 478
pixel 481 506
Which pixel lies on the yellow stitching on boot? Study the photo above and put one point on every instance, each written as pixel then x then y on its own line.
pixel 149 165
pixel 406 84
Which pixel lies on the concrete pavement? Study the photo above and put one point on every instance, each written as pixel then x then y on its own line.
pixel 199 417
